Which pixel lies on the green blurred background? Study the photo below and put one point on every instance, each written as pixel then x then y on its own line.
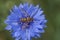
pixel 51 10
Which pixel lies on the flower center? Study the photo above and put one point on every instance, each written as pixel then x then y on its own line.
pixel 26 22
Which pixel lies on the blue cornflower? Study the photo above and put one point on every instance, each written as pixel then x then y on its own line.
pixel 26 21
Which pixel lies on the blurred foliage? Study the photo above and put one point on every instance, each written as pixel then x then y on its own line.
pixel 51 9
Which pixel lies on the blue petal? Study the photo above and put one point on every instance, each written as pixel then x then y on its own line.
pixel 35 11
pixel 36 28
pixel 20 6
pixel 43 22
pixel 39 18
pixel 17 11
pixel 38 14
pixel 16 14
pixel 17 34
pixel 16 28
pixel 17 39
pixel 31 9
pixel 37 35
pixel 39 26
pixel 23 35
pixel 25 6
pixel 13 17
pixel 13 22
pixel 9 28
pixel 28 34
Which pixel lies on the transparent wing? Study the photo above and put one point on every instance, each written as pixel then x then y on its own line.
pixel 25 14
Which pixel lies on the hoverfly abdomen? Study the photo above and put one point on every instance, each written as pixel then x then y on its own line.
pixel 29 19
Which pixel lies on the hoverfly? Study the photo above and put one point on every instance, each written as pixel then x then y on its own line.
pixel 26 20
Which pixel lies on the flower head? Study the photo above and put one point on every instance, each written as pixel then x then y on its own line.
pixel 26 21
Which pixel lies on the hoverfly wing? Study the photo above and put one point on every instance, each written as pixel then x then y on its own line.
pixel 25 14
